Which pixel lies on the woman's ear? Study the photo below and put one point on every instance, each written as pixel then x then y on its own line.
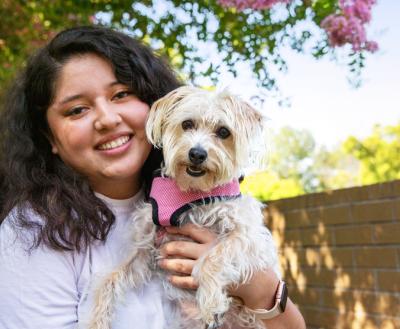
pixel 50 139
pixel 160 113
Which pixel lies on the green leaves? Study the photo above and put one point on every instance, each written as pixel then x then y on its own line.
pixel 378 154
pixel 201 38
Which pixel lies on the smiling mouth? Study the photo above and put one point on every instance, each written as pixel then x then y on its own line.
pixel 115 143
pixel 195 171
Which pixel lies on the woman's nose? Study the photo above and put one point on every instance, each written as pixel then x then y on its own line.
pixel 106 117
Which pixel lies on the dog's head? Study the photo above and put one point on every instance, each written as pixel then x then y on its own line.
pixel 204 136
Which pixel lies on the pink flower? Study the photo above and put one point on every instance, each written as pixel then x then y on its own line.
pixel 252 4
pixel 348 26
pixel 371 46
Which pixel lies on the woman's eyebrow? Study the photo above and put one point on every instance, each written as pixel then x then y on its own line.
pixel 70 98
pixel 77 96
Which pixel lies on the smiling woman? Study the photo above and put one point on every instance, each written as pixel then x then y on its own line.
pixel 75 165
pixel 97 126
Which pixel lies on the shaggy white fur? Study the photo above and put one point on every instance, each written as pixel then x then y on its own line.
pixel 222 126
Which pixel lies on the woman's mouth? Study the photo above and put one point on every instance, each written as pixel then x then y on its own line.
pixel 115 143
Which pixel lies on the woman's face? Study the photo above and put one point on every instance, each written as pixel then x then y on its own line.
pixel 98 126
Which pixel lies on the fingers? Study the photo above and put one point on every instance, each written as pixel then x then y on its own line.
pixel 197 233
pixel 185 282
pixel 179 256
pixel 182 249
pixel 183 268
pixel 202 238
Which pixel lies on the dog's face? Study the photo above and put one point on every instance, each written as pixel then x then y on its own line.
pixel 204 136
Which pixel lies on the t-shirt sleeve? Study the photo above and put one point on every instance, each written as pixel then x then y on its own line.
pixel 38 288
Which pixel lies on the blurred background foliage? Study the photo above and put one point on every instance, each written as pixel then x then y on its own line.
pixel 189 32
pixel 297 166
pixel 204 38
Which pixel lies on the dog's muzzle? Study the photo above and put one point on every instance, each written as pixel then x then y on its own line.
pixel 197 155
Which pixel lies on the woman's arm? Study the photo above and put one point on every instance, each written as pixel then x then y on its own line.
pixel 37 287
pixel 259 292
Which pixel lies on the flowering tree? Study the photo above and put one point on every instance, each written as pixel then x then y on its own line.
pixel 201 38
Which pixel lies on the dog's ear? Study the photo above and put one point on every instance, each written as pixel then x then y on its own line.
pixel 161 111
pixel 248 121
pixel 253 120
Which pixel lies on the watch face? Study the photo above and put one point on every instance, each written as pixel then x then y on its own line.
pixel 284 296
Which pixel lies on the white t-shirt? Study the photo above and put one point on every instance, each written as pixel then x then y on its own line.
pixel 47 289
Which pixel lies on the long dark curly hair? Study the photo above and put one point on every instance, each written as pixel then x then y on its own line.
pixel 32 178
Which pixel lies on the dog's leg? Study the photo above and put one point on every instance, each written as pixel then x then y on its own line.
pixel 213 279
pixel 133 273
pixel 230 262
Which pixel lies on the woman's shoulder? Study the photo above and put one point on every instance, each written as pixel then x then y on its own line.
pixel 20 227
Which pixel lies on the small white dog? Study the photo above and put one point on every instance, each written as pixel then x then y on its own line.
pixel 205 139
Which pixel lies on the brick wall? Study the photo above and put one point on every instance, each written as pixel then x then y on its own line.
pixel 340 254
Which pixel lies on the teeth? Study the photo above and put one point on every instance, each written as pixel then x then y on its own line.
pixel 115 143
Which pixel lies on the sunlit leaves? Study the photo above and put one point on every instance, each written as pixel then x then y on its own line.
pixel 378 154
pixel 201 38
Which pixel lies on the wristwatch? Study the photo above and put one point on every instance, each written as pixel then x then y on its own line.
pixel 279 307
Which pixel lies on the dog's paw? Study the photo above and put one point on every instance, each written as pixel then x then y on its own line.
pixel 216 323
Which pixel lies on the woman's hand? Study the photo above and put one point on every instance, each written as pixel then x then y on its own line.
pixel 259 292
pixel 180 256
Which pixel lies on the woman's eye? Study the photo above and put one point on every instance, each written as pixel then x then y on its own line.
pixel 223 133
pixel 122 94
pixel 76 111
pixel 187 124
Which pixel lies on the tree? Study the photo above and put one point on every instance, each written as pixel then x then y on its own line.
pixel 289 167
pixel 185 31
pixel 298 166
pixel 378 154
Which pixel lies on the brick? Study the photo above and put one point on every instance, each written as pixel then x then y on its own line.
pixel 390 323
pixel 380 191
pixel 342 257
pixel 310 257
pixel 326 257
pixel 291 237
pixel 297 218
pixel 396 188
pixel 319 277
pixel 373 211
pixel 309 296
pixel 387 233
pixel 352 320
pixel 320 318
pixel 376 257
pixel 274 219
pixel 358 193
pixel 360 279
pixel 336 215
pixel 397 209
pixel 353 235
pixel 334 300
pixel 316 236
pixel 380 303
pixel 389 280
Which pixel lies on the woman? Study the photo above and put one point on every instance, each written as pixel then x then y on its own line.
pixel 75 161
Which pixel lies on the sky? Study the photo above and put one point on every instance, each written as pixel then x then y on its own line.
pixel 324 102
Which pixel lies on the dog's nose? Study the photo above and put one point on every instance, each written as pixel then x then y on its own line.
pixel 197 155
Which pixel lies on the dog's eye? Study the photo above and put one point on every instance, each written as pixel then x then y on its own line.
pixel 223 133
pixel 187 124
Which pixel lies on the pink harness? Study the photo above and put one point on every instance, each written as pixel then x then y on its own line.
pixel 169 202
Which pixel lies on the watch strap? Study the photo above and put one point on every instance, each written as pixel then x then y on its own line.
pixel 279 306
